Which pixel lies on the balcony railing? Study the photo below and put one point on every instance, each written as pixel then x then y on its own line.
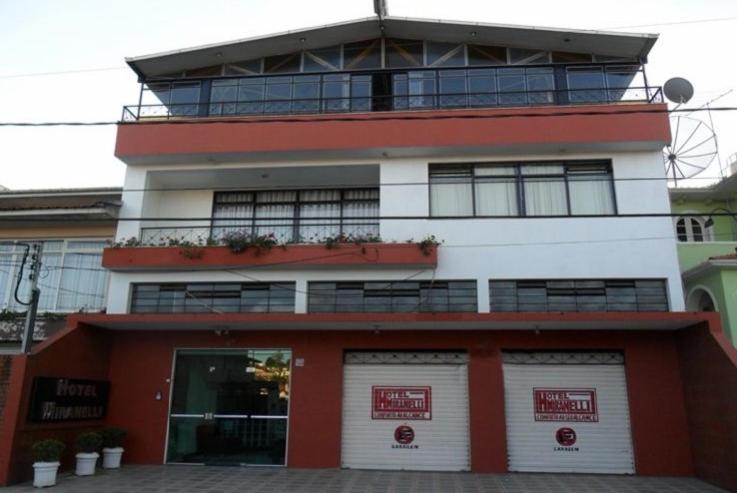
pixel 392 90
pixel 304 231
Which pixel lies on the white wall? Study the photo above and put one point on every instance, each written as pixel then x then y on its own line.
pixel 481 249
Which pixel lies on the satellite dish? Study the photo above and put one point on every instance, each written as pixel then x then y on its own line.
pixel 678 90
pixel 692 150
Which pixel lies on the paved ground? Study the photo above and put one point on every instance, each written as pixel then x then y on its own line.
pixel 190 479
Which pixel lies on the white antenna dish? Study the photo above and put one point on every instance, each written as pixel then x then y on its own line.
pixel 678 90
pixel 692 150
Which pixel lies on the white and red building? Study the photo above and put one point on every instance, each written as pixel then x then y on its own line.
pixel 473 273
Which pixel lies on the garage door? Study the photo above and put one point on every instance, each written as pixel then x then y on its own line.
pixel 405 411
pixel 567 412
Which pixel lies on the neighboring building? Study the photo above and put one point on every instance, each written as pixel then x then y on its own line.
pixel 74 226
pixel 707 248
pixel 546 331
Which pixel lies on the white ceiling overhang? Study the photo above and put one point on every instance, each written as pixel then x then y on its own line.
pixel 530 37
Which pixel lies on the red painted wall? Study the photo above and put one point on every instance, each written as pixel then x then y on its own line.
pixel 141 364
pixel 78 353
pixel 395 130
pixel 709 375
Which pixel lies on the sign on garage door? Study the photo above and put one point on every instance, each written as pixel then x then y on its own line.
pixel 405 411
pixel 567 412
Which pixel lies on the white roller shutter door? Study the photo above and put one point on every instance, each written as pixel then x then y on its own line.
pixel 403 431
pixel 567 413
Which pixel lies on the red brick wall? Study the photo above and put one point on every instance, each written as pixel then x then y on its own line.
pixel 709 374
pixel 141 365
pixel 5 364
pixel 73 353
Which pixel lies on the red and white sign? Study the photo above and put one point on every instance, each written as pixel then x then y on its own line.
pixel 401 403
pixel 577 405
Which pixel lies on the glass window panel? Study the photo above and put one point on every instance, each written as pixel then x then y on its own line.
pixel 540 84
pixel 83 282
pixel 512 88
pixel 282 63
pixel 453 88
pixel 495 171
pixel 48 281
pixel 451 197
pixel 352 214
pixel 51 246
pixel 277 220
pixel 620 78
pixel 545 197
pixel 422 88
pixel 482 87
pixel 487 55
pixel 400 90
pixel 362 55
pixel 247 67
pixel 322 60
pixel 403 53
pixel 361 93
pixel 681 230
pixel 230 218
pixel 542 169
pixel 591 195
pixel 80 244
pixel 445 54
pixel 585 85
pixel 278 94
pixel 251 94
pixel 336 92
pixel 496 198
pixel 156 93
pixel 184 98
pixel 521 56
pixel 318 221
pixel 223 96
pixel 567 57
pixel 306 94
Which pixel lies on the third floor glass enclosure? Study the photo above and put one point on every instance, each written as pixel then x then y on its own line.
pixel 390 75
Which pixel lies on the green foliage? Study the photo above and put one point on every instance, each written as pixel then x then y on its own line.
pixel 427 244
pixel 89 442
pixel 47 450
pixel 113 437
pixel 239 242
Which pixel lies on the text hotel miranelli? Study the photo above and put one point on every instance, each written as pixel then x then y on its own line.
pixel 67 399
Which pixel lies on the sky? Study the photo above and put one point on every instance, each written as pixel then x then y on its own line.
pixel 92 38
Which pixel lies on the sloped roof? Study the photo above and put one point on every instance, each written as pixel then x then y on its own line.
pixel 531 37
pixel 726 188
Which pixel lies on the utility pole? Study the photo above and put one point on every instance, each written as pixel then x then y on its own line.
pixel 35 269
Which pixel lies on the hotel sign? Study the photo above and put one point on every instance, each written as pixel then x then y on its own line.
pixel 406 403
pixel 68 399
pixel 578 405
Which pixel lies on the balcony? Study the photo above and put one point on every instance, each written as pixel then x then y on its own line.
pixel 392 90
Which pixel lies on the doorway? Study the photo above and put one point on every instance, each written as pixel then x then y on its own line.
pixel 229 407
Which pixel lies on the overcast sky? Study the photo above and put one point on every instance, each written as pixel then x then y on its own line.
pixel 42 36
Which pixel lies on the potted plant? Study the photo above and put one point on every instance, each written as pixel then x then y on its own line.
pixel 46 455
pixel 112 446
pixel 87 446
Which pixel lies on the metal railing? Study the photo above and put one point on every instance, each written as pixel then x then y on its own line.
pixel 360 104
pixel 284 231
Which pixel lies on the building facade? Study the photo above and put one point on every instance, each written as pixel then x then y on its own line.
pixel 396 244
pixel 707 248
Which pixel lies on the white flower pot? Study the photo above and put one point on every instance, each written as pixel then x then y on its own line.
pixel 86 463
pixel 111 457
pixel 44 473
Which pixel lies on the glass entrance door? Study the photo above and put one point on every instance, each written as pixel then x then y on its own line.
pixel 230 407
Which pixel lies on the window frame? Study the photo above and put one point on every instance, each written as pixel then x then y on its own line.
pixel 520 178
pixel 706 232
pixel 296 224
pixel 8 301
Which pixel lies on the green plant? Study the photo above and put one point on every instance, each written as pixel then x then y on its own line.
pixel 239 242
pixel 427 244
pixel 48 450
pixel 89 442
pixel 190 250
pixel 113 437
pixel 9 315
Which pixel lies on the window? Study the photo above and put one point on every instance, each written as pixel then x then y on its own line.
pixel 215 298
pixel 578 295
pixel 692 229
pixel 392 296
pixel 558 188
pixel 298 215
pixel 72 277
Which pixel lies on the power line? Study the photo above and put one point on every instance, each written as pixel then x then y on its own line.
pixel 373 118
pixel 675 23
pixel 60 72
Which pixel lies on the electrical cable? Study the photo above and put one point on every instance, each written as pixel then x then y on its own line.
pixel 373 118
